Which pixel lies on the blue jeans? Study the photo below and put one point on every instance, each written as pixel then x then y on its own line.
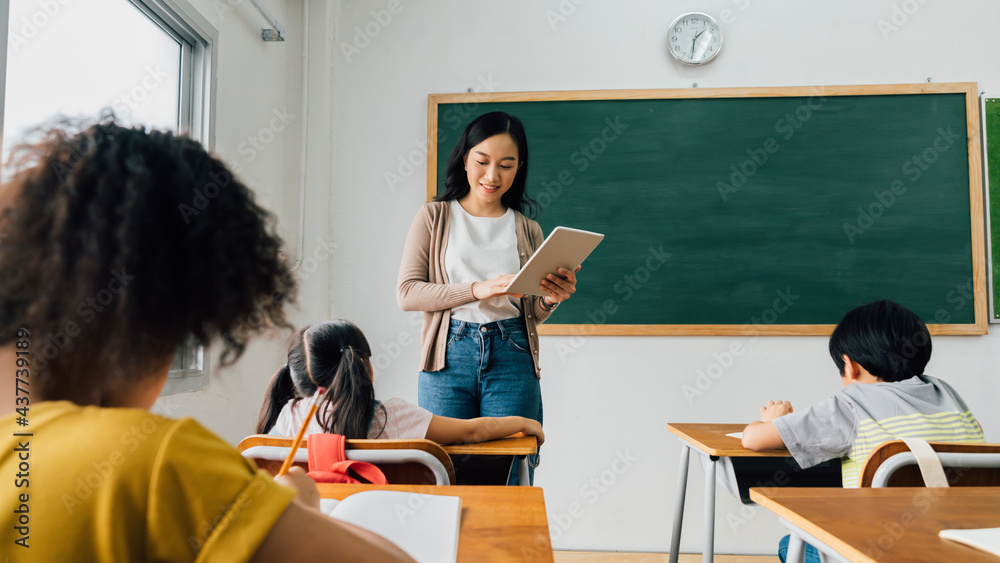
pixel 488 372
pixel 811 554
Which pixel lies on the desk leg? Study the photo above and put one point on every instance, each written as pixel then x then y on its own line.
pixel 796 549
pixel 708 555
pixel 797 546
pixel 522 471
pixel 675 538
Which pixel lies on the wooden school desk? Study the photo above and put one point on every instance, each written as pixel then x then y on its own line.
pixel 498 523
pixel 883 525
pixel 519 446
pixel 740 469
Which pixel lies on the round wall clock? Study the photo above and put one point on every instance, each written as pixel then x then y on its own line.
pixel 695 38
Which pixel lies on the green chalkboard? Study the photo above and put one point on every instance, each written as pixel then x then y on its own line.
pixel 991 119
pixel 769 211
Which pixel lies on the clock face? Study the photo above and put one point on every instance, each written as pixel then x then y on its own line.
pixel 694 38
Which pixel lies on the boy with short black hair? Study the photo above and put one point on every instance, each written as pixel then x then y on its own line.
pixel 884 347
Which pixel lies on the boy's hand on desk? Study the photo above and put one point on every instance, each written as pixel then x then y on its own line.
pixel 305 488
pixel 773 410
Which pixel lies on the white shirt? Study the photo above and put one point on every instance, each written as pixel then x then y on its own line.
pixel 403 421
pixel 480 249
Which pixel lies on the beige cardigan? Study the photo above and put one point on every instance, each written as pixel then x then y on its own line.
pixel 423 283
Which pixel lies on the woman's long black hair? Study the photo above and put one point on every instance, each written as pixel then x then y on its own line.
pixel 482 128
pixel 332 354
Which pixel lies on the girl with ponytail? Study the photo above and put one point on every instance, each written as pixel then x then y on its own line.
pixel 335 354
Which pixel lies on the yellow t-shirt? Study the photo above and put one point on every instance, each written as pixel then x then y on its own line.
pixel 109 484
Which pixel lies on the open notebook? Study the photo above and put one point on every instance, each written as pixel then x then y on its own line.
pixel 985 539
pixel 424 526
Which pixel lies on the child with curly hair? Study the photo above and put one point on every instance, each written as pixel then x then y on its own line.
pixel 117 245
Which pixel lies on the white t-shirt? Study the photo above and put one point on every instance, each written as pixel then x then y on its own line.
pixel 403 421
pixel 480 249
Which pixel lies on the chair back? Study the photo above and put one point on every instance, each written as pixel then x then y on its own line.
pixel 965 465
pixel 404 462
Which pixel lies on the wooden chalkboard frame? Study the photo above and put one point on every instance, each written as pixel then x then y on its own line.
pixel 991 173
pixel 973 129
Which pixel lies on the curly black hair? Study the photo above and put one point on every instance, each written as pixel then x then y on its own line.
pixel 117 244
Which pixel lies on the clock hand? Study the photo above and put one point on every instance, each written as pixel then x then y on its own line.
pixel 694 40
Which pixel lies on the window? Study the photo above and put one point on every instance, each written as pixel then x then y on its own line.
pixel 149 61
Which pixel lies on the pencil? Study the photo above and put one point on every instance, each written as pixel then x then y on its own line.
pixel 298 437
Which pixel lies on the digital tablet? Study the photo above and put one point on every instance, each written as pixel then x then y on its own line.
pixel 564 248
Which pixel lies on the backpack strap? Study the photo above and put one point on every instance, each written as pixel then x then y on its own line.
pixel 360 472
pixel 928 461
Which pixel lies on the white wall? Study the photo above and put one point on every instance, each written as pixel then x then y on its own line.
pixel 606 398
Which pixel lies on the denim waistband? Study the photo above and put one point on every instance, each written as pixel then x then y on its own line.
pixel 504 327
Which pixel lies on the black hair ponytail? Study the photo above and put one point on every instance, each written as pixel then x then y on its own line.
pixel 349 406
pixel 335 355
pixel 279 391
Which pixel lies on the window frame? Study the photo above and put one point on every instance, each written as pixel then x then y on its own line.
pixel 198 61
pixel 195 117
pixel 4 30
